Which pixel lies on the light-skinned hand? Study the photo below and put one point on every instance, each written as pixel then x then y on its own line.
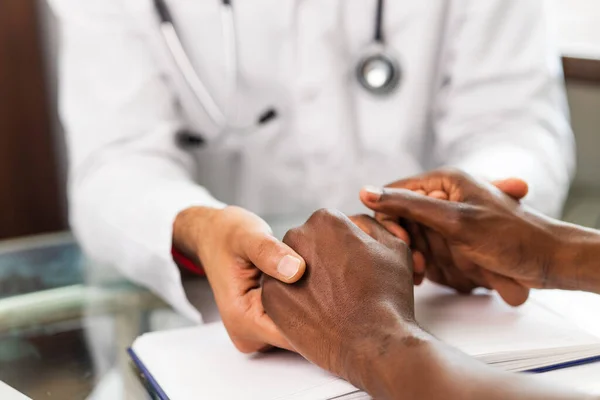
pixel 235 248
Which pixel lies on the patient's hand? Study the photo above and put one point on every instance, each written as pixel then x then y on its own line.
pixel 352 313
pixel 355 286
pixel 365 223
pixel 472 233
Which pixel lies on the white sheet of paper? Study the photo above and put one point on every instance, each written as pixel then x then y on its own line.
pixel 202 362
pixel 482 323
pixel 8 393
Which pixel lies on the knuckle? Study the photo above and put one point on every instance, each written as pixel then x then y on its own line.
pixel 362 219
pixel 325 217
pixel 451 172
pixel 365 223
pixel 293 237
pixel 462 217
pixel 382 217
pixel 324 214
pixel 399 184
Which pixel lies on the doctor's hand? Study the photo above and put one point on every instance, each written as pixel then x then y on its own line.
pixel 482 236
pixel 357 290
pixel 235 248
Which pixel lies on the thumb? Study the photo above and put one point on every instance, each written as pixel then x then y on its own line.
pixel 273 257
pixel 440 215
pixel 513 187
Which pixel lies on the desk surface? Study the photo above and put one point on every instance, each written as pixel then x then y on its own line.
pixel 65 323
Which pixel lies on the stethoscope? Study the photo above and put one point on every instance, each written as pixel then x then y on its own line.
pixel 377 71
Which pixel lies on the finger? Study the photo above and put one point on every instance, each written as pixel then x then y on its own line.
pixel 443 259
pixel 511 292
pixel 418 262
pixel 463 263
pixel 423 263
pixel 370 226
pixel 439 215
pixel 359 221
pixel 264 328
pixel 418 279
pixel 255 331
pixel 513 187
pixel 417 235
pixel 434 274
pixel 432 271
pixel 268 333
pixel 395 229
pixel 272 257
pixel 381 234
pixel 439 194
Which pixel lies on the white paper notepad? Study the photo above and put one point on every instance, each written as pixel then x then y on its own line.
pixel 8 393
pixel 201 362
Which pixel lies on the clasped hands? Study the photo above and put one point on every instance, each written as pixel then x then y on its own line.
pixel 352 313
pixel 441 216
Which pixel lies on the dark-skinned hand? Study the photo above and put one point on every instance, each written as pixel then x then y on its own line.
pixel 419 262
pixel 479 231
pixel 431 256
pixel 440 263
pixel 355 284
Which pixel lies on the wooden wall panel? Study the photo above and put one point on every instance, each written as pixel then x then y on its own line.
pixel 584 70
pixel 29 194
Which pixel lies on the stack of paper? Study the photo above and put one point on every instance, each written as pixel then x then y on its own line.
pixel 527 338
pixel 202 363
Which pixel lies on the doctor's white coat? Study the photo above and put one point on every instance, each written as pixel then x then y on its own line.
pixel 481 90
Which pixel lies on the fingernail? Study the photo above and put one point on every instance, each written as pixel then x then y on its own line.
pixel 374 192
pixel 288 267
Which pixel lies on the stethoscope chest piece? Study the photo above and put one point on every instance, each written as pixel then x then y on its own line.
pixel 378 72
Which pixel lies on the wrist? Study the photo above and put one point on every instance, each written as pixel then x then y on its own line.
pixel 379 361
pixel 577 258
pixel 190 230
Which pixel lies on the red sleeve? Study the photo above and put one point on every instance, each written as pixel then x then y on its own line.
pixel 185 263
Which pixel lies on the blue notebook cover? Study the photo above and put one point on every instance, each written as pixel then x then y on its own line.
pixel 151 385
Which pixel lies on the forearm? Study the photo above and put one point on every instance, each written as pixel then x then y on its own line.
pixel 577 260
pixel 424 368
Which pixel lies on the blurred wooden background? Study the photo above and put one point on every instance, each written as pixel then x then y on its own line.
pixel 29 189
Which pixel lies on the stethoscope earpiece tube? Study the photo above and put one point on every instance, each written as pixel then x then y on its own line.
pixel 378 37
